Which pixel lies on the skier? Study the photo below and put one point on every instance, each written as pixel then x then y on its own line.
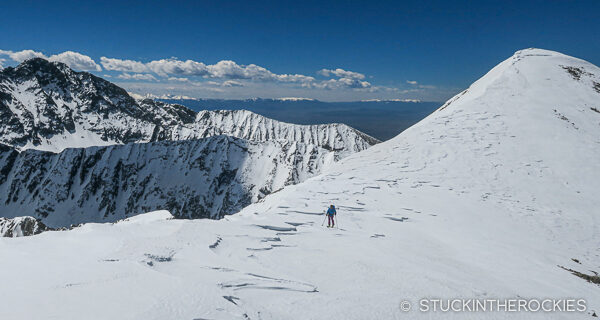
pixel 330 214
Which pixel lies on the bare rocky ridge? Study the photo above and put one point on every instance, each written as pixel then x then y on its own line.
pixel 21 227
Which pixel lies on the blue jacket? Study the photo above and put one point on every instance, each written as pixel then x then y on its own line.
pixel 331 211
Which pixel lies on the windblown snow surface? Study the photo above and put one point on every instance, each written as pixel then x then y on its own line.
pixel 483 199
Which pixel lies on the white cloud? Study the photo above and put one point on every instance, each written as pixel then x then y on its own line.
pixel 232 72
pixel 226 73
pixel 20 56
pixel 228 79
pixel 342 83
pixel 224 69
pixel 76 61
pixel 166 67
pixel 295 78
pixel 232 83
pixel 137 76
pixel 346 80
pixel 341 73
pixel 123 65
pixel 178 79
pixel 227 69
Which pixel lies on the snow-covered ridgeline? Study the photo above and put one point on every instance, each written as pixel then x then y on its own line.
pixel 206 178
pixel 251 126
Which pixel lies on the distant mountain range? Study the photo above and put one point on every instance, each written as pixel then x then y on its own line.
pixel 382 119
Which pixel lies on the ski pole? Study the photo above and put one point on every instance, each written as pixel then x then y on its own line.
pixel 324 220
pixel 336 222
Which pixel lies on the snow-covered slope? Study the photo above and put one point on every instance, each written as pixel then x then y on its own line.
pixel 47 106
pixel 484 199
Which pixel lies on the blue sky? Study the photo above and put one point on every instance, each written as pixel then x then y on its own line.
pixel 329 50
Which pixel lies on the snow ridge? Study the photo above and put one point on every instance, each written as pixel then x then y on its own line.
pixel 251 126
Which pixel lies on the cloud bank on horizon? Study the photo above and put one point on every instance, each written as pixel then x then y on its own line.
pixel 227 79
